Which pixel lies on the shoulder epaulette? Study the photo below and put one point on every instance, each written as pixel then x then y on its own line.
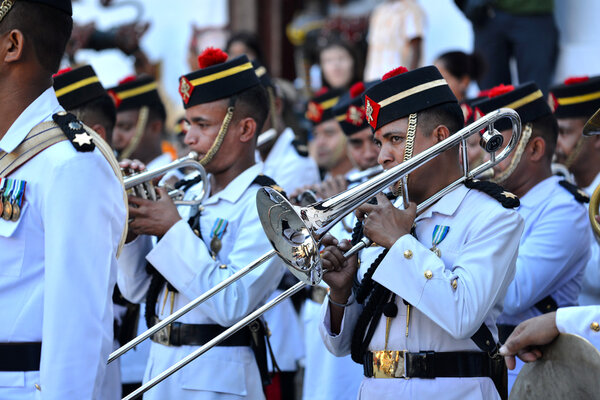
pixel 507 199
pixel 301 148
pixel 74 131
pixel 265 181
pixel 579 194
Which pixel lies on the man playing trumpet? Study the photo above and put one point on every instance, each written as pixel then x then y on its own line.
pixel 427 305
pixel 226 107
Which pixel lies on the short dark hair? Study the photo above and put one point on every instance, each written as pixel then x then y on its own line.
pixel 99 111
pixel 546 127
pixel 459 64
pixel 253 103
pixel 48 29
pixel 447 114
pixel 250 40
pixel 156 111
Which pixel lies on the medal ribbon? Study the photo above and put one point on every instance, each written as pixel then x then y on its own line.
pixel 17 194
pixel 439 234
pixel 218 229
pixel 8 191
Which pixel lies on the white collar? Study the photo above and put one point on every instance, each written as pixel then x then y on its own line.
pixel 234 190
pixel 40 110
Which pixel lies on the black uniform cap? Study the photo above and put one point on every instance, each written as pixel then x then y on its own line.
pixel 217 78
pixel 262 74
pixel 77 87
pixel 63 5
pixel 135 92
pixel 576 97
pixel 527 100
pixel 320 108
pixel 402 92
pixel 350 109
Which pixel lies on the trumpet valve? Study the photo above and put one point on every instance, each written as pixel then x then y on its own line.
pixel 491 141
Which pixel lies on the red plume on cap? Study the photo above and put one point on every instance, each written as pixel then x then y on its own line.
pixel 500 90
pixel 211 56
pixel 576 79
pixel 62 71
pixel 394 72
pixel 321 92
pixel 127 79
pixel 357 89
pixel 484 93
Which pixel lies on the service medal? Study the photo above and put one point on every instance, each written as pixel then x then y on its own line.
pixel 16 213
pixel 216 234
pixel 439 234
pixel 7 214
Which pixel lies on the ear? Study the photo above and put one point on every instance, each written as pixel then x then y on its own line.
pixel 441 132
pixel 13 46
pixel 536 148
pixel 156 126
pixel 99 129
pixel 247 129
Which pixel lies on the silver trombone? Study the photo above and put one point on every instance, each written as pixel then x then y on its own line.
pixel 295 232
pixel 140 184
pixel 357 177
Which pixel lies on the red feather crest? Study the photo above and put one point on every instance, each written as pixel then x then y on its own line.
pixel 500 90
pixel 357 89
pixel 576 79
pixel 211 56
pixel 394 72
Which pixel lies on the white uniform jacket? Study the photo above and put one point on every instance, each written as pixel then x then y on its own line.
pixel 479 253
pixel 590 288
pixel 59 264
pixel 583 321
pixel 554 250
pixel 185 261
pixel 288 168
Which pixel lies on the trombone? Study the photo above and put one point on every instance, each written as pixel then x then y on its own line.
pixel 592 128
pixel 295 232
pixel 141 184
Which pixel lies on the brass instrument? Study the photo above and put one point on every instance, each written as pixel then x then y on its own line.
pixel 140 184
pixel 296 232
pixel 591 128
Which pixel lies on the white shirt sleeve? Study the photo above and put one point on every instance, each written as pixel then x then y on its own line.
pixel 132 278
pixel 185 261
pixel 339 345
pixel 483 269
pixel 84 215
pixel 543 265
pixel 582 321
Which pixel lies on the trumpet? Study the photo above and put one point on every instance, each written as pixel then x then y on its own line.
pixel 357 177
pixel 140 184
pixel 295 232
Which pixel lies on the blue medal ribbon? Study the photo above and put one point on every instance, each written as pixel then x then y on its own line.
pixel 219 227
pixel 438 235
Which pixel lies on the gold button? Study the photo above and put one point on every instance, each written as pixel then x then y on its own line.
pixel 38 387
pixel 595 326
pixel 454 283
pixel 197 232
pixel 428 274
pixel 223 266
pixel 407 254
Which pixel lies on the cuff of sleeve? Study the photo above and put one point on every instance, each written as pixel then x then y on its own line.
pixel 562 319
pixel 326 318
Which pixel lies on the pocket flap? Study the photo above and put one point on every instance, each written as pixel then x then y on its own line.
pixel 8 228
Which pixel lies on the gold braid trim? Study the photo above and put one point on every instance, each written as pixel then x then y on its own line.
pixel 411 132
pixel 140 127
pixel 575 153
pixel 273 109
pixel 220 137
pixel 5 8
pixel 504 175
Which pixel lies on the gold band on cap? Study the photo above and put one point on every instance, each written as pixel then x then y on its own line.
pixel 136 91
pixel 77 85
pixel 221 74
pixel 414 90
pixel 327 104
pixel 565 101
pixel 340 118
pixel 525 100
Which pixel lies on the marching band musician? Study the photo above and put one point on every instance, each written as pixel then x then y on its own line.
pixel 327 376
pixel 63 219
pixel 547 276
pixel 140 122
pixel 574 102
pixel 426 308
pixel 226 108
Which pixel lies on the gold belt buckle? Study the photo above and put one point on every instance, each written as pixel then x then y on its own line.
pixel 389 364
pixel 163 335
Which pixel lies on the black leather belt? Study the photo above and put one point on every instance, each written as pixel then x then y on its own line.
pixel 178 334
pixel 20 356
pixel 431 364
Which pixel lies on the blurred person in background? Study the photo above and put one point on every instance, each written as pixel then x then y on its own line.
pixel 459 69
pixel 340 64
pixel 396 31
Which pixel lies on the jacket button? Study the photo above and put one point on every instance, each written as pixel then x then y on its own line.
pixel 595 326
pixel 428 274
pixel 407 254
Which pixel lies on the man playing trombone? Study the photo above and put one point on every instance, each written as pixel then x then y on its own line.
pixel 426 308
pixel 226 108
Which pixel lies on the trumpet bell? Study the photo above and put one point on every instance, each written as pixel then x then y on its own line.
pixel 289 236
